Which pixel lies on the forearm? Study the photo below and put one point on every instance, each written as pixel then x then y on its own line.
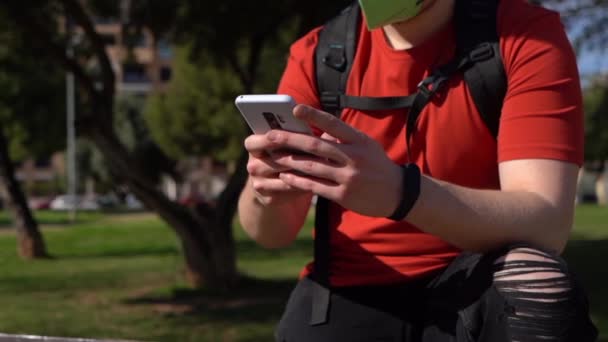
pixel 480 220
pixel 273 225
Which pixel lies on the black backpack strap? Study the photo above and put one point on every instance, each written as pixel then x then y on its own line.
pixel 477 34
pixel 477 55
pixel 333 102
pixel 334 56
pixel 333 61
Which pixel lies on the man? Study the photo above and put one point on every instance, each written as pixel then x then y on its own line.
pixel 461 244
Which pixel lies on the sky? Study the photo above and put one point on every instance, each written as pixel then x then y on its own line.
pixel 591 63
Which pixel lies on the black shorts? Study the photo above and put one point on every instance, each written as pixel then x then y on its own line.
pixel 460 304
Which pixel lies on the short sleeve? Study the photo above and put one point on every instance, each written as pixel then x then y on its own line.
pixel 298 79
pixel 542 115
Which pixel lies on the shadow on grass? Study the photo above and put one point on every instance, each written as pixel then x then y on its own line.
pixel 586 258
pixel 252 301
pixel 246 248
pixel 249 249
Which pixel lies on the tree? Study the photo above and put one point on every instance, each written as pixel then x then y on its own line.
pixel 97 91
pixel 189 120
pixel 30 108
pixel 225 50
pixel 133 132
pixel 596 121
pixel 30 243
pixel 205 235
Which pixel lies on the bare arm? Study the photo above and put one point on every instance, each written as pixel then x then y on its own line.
pixel 271 212
pixel 273 223
pixel 535 205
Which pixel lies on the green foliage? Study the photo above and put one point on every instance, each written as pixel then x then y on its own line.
pixel 90 163
pixel 157 15
pixel 226 50
pixel 596 121
pixel 224 26
pixel 32 107
pixel 133 132
pixel 196 116
pixel 128 122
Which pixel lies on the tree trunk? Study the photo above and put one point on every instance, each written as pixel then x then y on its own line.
pixel 225 253
pixel 205 234
pixel 30 244
pixel 155 65
pixel 601 186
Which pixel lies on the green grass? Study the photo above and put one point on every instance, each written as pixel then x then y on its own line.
pixel 51 218
pixel 586 254
pixel 119 276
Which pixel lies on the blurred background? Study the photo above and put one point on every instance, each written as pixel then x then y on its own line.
pixel 121 163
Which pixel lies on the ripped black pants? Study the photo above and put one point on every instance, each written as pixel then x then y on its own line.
pixel 516 294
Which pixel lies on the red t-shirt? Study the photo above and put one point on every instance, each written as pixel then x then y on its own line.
pixel 541 119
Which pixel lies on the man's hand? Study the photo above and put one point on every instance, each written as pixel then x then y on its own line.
pixel 264 173
pixel 343 165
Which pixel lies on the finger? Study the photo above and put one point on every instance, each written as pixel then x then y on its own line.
pixel 258 145
pixel 264 167
pixel 321 187
pixel 269 187
pixel 327 123
pixel 311 166
pixel 307 143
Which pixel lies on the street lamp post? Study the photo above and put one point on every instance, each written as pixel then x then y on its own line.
pixel 71 131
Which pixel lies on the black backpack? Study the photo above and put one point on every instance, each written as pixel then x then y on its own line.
pixel 477 57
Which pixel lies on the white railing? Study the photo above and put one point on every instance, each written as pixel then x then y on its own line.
pixel 31 338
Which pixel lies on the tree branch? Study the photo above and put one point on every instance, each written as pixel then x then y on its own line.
pixel 77 11
pixel 233 60
pixel 32 29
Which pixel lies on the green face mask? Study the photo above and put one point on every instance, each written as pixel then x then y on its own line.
pixel 383 12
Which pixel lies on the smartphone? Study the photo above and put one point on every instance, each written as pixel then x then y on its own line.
pixel 266 112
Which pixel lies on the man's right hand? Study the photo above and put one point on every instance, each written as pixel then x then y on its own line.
pixel 268 188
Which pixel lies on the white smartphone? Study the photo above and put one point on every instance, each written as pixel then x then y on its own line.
pixel 266 112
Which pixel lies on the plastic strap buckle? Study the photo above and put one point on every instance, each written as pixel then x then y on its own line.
pixel 331 101
pixel 482 52
pixel 336 57
pixel 432 84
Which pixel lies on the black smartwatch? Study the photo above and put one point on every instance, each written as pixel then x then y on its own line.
pixel 410 191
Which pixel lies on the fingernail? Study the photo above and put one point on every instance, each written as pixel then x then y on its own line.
pixel 300 110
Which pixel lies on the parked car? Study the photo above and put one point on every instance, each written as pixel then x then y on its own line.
pixel 133 203
pixel 192 200
pixel 40 203
pixel 67 202
pixel 108 201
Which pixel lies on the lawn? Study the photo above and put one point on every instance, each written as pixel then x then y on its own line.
pixel 118 276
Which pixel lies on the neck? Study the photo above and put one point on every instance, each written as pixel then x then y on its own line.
pixel 412 32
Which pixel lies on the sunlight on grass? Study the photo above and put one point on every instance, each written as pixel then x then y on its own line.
pixel 120 276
